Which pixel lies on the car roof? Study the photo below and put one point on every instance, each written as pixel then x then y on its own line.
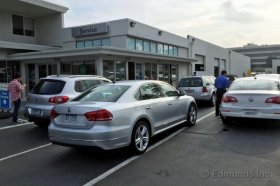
pixel 66 77
pixel 136 82
pixel 255 77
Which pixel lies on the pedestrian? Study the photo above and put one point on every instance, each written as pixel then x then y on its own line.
pixel 16 88
pixel 221 84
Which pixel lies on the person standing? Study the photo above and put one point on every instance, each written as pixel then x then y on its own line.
pixel 221 84
pixel 16 88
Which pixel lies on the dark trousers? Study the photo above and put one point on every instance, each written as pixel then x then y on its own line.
pixel 16 109
pixel 219 94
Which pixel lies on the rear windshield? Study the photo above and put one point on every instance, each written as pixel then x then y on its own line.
pixel 103 93
pixel 48 87
pixel 190 82
pixel 255 84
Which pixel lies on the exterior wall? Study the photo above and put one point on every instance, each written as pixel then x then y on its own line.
pixel 235 63
pixel 120 29
pixel 49 30
pixel 239 64
pixel 6 31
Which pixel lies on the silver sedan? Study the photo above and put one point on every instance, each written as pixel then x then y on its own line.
pixel 252 97
pixel 121 114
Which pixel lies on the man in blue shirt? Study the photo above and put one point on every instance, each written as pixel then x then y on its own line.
pixel 221 84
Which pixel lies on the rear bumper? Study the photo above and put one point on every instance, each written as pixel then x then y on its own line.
pixel 106 139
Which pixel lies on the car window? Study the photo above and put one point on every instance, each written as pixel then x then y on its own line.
pixel 147 91
pixel 105 93
pixel 48 87
pixel 80 86
pixel 92 82
pixel 256 84
pixel 167 90
pixel 190 82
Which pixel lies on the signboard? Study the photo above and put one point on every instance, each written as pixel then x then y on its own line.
pixel 5 100
pixel 90 30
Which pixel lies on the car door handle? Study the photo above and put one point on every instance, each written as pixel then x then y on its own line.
pixel 148 107
pixel 169 103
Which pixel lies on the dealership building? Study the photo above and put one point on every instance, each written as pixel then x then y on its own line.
pixel 35 43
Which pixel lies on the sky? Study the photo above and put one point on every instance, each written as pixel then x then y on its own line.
pixel 226 23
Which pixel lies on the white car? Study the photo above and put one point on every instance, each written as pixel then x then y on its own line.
pixel 121 114
pixel 251 97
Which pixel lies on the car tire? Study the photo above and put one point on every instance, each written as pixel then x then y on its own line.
pixel 140 138
pixel 191 115
pixel 212 101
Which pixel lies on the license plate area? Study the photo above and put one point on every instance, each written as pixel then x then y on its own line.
pixel 189 92
pixel 250 113
pixel 36 112
pixel 70 118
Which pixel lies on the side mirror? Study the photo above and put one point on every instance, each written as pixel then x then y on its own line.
pixel 182 93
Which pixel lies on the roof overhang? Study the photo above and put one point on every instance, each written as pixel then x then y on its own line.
pixel 23 46
pixel 32 7
pixel 111 51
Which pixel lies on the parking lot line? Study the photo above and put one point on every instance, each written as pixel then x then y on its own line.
pixel 114 169
pixel 24 152
pixel 13 126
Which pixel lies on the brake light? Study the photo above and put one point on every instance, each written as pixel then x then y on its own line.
pixel 100 115
pixel 274 100
pixel 229 99
pixel 54 114
pixel 58 99
pixel 204 89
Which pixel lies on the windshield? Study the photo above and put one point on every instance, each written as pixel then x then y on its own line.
pixel 190 82
pixel 48 87
pixel 255 84
pixel 104 93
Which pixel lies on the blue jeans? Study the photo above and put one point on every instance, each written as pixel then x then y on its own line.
pixel 16 109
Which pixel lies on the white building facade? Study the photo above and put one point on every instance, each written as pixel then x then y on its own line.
pixel 36 44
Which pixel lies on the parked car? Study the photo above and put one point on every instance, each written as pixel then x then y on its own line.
pixel 251 97
pixel 121 114
pixel 268 75
pixel 200 87
pixel 56 89
pixel 231 78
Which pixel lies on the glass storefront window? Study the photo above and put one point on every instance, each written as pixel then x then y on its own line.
pixel 90 67
pixel 147 47
pixel 154 71
pixel 108 69
pixel 88 43
pixel 106 42
pixel 65 68
pixel 160 48
pixel 153 47
pixel 139 44
pixel 97 42
pixel 160 72
pixel 76 67
pixel 42 71
pixel 148 74
pixel 80 44
pixel 52 69
pixel 174 75
pixel 165 49
pixel 139 71
pixel 120 70
pixel 131 43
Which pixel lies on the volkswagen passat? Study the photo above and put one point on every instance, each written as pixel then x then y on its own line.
pixel 252 97
pixel 121 114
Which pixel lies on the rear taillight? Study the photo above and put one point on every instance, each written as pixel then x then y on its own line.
pixel 204 89
pixel 229 99
pixel 100 115
pixel 58 99
pixel 274 100
pixel 54 114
